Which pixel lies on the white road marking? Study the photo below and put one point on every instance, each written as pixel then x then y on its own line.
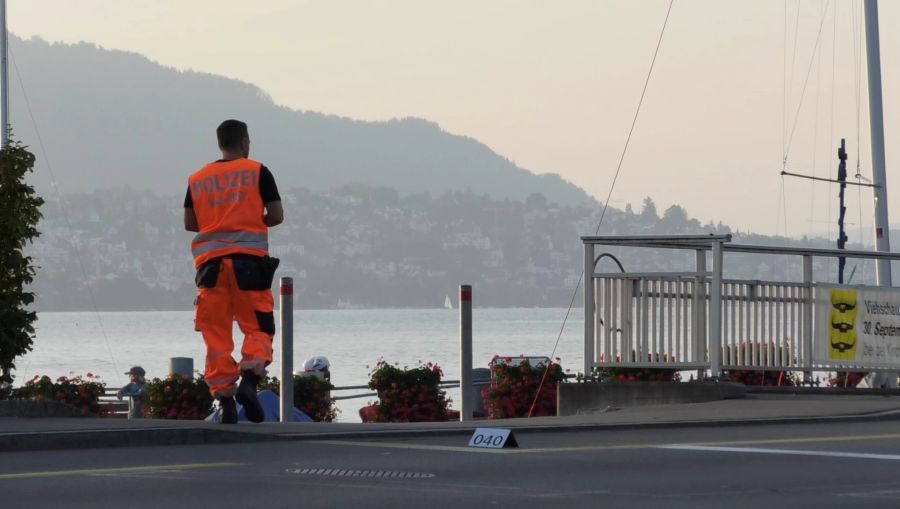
pixel 792 452
pixel 116 470
pixel 892 494
pixel 612 447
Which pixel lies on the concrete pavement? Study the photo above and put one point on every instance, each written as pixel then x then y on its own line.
pixel 24 434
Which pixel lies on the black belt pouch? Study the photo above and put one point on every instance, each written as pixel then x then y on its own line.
pixel 254 273
pixel 208 274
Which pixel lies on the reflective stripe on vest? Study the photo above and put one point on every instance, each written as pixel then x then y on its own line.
pixel 247 240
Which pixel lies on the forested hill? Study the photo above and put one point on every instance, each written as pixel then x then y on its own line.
pixel 113 118
pixel 359 246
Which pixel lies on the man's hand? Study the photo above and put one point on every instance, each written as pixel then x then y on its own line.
pixel 274 213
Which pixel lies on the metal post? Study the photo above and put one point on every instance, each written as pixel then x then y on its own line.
pixel 842 210
pixel 698 313
pixel 286 291
pixel 876 126
pixel 808 307
pixel 714 340
pixel 4 77
pixel 588 277
pixel 467 405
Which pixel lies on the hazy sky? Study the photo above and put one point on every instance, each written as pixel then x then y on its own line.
pixel 554 85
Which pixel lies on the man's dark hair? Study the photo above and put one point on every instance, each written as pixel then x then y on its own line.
pixel 231 133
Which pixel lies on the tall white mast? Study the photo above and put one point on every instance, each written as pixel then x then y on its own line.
pixel 4 78
pixel 876 125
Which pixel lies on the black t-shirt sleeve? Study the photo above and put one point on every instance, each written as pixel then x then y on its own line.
pixel 188 199
pixel 267 188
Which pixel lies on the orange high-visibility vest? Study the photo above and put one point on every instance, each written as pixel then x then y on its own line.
pixel 229 210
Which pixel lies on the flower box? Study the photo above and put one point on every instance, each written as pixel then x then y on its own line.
pixel 178 397
pixel 83 393
pixel 406 395
pixel 312 395
pixel 514 387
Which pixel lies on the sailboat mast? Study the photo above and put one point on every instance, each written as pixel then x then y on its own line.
pixel 4 77
pixel 876 126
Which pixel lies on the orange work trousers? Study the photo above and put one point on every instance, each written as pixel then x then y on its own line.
pixel 215 312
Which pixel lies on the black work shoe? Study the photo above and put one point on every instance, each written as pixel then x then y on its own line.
pixel 246 396
pixel 227 411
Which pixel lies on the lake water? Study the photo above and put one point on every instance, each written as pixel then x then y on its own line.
pixel 108 343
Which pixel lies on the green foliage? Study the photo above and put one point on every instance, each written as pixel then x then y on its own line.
pixel 624 374
pixel 177 397
pixel 82 393
pixel 19 216
pixel 312 396
pixel 640 374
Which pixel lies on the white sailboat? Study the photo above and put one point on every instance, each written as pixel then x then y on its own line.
pixel 448 304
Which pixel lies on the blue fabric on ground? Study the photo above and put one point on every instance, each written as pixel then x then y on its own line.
pixel 269 402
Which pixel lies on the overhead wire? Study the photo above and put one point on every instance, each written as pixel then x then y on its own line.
pixel 608 196
pixel 62 207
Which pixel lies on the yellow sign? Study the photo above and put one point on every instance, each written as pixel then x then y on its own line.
pixel 842 317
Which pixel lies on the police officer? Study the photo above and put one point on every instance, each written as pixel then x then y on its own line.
pixel 231 203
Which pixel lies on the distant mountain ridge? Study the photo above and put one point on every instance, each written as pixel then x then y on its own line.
pixel 111 118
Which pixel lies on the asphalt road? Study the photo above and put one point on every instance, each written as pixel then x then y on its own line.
pixel 823 465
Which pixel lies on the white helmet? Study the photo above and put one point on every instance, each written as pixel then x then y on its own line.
pixel 317 363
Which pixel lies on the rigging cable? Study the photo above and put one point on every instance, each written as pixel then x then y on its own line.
pixel 606 202
pixel 782 209
pixel 62 208
pixel 784 86
pixel 783 110
pixel 857 31
pixel 831 119
pixel 812 198
pixel 805 83
pixel 789 90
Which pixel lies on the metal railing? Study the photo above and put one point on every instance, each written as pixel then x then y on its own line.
pixel 112 404
pixel 646 321
pixel 762 325
pixel 670 319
